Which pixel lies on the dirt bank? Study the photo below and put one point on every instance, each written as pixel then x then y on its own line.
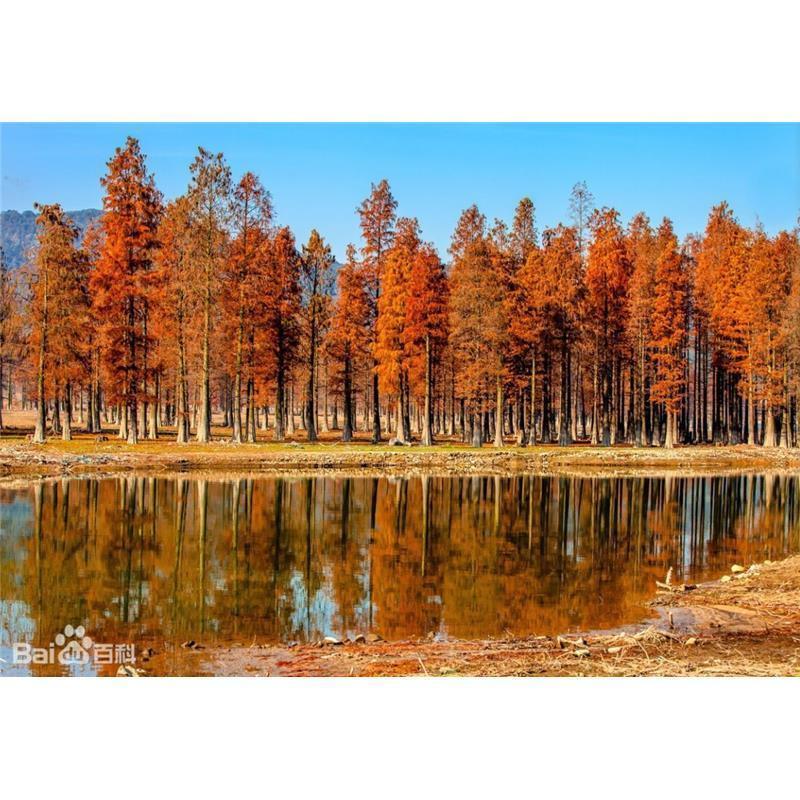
pixel 746 624
pixel 86 455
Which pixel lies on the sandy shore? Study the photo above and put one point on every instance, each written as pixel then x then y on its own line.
pixel 86 455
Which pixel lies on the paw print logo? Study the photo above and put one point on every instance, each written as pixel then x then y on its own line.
pixel 74 645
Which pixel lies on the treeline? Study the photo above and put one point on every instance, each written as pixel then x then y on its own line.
pixel 594 331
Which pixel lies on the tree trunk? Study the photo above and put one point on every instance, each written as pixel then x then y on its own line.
pixel 41 410
pixel 669 439
pixel 123 421
pixel 641 432
pixel 376 410
pixel 181 391
pixel 152 417
pixel 405 406
pixel 131 401
pixel 66 428
pixel 477 430
pixel 427 437
pixel 347 429
pixel 606 400
pixel 237 381
pixel 769 428
pixel 251 411
pixel 280 407
pixel 289 426
pixel 204 425
pixel 751 412
pixel 326 425
pixel 98 426
pixel 532 423
pixel 784 418
pixel 596 397
pixel 311 410
pixel 564 435
pixel 498 415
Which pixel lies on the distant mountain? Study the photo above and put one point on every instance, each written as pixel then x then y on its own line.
pixel 18 231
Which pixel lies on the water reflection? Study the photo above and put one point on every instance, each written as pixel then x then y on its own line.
pixel 151 559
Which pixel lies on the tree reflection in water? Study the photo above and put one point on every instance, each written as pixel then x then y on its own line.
pixel 284 558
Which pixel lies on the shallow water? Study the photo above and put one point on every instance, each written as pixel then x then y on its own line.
pixel 139 559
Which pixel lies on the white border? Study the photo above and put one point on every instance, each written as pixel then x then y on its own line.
pixel 401 738
pixel 435 60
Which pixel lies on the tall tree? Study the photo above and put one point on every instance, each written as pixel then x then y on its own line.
pixel 503 273
pixel 522 240
pixel 209 197
pixel 316 283
pixel 179 302
pixel 607 277
pixel 478 321
pixel 642 254
pixel 377 216
pixel 280 327
pixel 669 328
pixel 426 325
pixel 56 284
pixel 120 282
pixel 529 323
pixel 10 328
pixel 347 342
pixel 391 346
pixel 70 333
pixel 251 217
pixel 721 269
pixel 93 246
pixel 563 288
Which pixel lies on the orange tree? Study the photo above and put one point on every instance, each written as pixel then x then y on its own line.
pixel 426 326
pixel 120 283
pixel 607 283
pixel 377 215
pixel 669 328
pixel 348 337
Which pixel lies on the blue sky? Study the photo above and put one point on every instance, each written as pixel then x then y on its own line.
pixel 318 173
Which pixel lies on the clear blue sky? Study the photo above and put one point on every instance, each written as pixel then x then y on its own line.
pixel 318 173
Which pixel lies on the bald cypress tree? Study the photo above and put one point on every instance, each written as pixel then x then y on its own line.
pixel 669 329
pixel 120 282
pixel 209 198
pixel 316 285
pixel 377 215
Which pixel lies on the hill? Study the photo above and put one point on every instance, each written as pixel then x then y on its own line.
pixel 18 231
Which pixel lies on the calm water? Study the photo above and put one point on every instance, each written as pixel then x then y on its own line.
pixel 152 560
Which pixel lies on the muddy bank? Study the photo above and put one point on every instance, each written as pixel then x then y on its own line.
pixel 748 623
pixel 87 456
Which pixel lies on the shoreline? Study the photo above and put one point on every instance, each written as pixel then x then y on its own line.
pixel 745 624
pixel 84 456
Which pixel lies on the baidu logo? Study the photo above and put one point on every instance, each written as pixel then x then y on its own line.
pixel 73 647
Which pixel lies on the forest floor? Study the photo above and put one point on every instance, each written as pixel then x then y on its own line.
pixel 747 624
pixel 106 454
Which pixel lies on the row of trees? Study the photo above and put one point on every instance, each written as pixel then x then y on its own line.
pixel 166 312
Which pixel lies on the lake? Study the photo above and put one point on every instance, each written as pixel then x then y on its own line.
pixel 282 559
